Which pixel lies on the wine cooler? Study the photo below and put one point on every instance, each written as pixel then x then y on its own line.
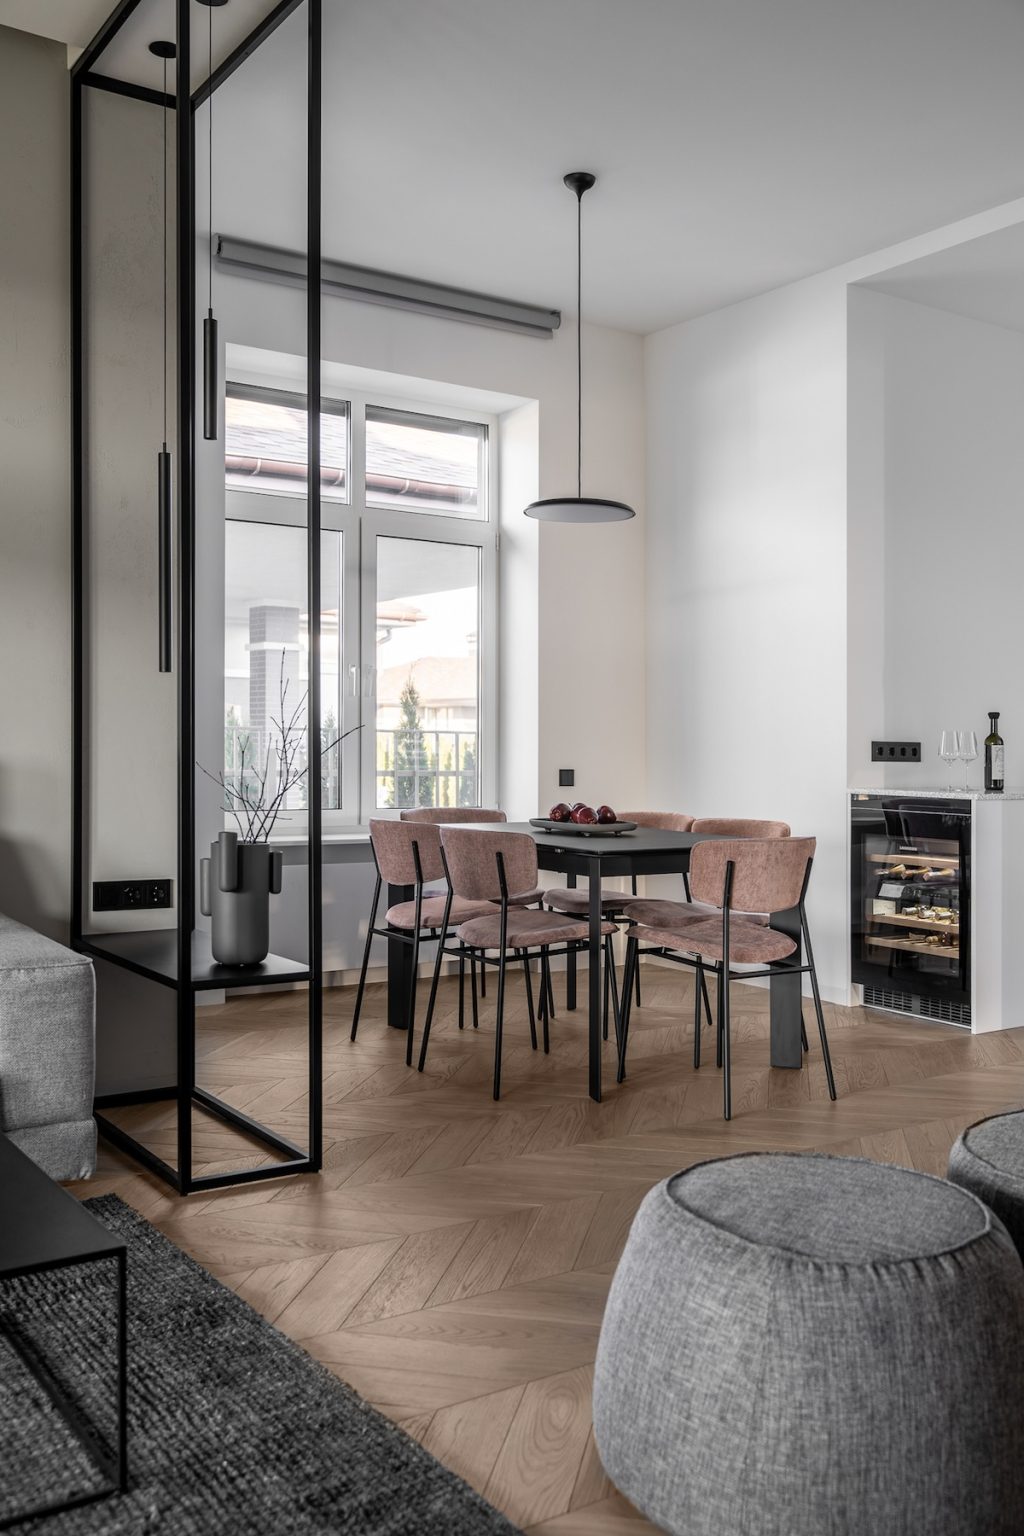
pixel 911 905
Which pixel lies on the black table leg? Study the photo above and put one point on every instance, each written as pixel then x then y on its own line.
pixel 570 961
pixel 399 965
pixel 786 999
pixel 594 998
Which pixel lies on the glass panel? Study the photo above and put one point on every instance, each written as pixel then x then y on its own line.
pixel 265 443
pixel 425 463
pixel 428 674
pixel 266 668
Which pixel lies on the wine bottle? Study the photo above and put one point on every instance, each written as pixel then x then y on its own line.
pixel 993 754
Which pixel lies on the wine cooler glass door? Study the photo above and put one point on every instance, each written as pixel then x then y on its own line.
pixel 911 899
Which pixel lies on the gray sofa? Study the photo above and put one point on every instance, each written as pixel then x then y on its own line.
pixel 47 1051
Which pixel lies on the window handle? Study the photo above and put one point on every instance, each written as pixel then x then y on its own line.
pixel 369 682
pixel 353 681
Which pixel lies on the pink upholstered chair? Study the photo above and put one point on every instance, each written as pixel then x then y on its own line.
pixel 409 853
pixel 671 914
pixel 448 815
pixel 733 878
pixel 490 867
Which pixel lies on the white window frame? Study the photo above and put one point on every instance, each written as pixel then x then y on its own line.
pixel 361 524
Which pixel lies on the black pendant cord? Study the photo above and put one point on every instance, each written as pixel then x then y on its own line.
pixel 579 344
pixel 209 189
pixel 211 347
pixel 164 243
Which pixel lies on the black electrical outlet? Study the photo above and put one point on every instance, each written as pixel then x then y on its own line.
pixel 566 778
pixel 130 895
pixel 895 751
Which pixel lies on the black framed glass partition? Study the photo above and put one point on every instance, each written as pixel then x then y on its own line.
pixel 159 131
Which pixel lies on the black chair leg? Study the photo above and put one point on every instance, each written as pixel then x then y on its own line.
pixel 546 1008
pixel 551 990
pixel 613 980
pixel 707 999
pixel 803 1034
pixel 366 958
pixel 604 1003
pixel 632 958
pixel 483 979
pixel 722 986
pixel 529 998
pixel 412 997
pixel 431 1000
pixel 826 1053
pixel 500 1020
pixel 698 1018
pixel 723 983
pixel 636 983
pixel 462 989
pixel 472 977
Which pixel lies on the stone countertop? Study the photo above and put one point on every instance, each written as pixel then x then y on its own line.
pixel 939 794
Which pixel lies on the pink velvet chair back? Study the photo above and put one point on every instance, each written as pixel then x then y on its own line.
pixel 768 873
pixel 473 864
pixel 442 814
pixel 739 826
pixel 661 821
pixel 392 847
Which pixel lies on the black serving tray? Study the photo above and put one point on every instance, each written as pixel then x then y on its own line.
pixel 576 829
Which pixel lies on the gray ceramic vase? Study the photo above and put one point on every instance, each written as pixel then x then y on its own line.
pixel 235 886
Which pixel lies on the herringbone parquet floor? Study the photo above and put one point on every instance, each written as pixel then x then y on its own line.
pixel 452 1260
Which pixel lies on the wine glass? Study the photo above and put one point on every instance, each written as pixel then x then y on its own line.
pixel 968 750
pixel 949 751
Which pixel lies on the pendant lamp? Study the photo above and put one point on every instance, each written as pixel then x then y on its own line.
pixel 211 355
pixel 579 508
pixel 164 51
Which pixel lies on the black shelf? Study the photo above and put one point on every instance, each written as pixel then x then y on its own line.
pixel 154 953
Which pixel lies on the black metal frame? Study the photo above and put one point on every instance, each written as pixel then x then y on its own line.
pixel 113 1468
pixel 725 976
pixel 185 1092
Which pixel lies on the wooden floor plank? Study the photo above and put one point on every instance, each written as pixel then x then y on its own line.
pixel 452 1261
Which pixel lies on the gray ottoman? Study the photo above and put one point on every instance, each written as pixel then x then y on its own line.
pixel 988 1159
pixel 809 1346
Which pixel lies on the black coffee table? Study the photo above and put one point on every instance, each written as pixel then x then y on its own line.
pixel 44 1228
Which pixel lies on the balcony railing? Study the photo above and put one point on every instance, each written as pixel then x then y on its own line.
pixel 417 767
pixel 413 767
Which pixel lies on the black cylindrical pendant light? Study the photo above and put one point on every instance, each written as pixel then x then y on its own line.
pixel 165 541
pixel 579 508
pixel 211 353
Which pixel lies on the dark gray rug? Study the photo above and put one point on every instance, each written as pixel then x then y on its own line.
pixel 233 1430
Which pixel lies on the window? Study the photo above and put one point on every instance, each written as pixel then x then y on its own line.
pixel 428 678
pixel 408 598
pixel 266 662
pixel 425 463
pixel 265 443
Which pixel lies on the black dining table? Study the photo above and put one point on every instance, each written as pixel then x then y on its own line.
pixel 596 857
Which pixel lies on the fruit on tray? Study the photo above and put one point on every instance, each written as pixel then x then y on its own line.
pixel 584 816
pixel 606 815
pixel 559 812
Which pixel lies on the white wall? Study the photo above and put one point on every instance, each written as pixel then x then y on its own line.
pixel 945 586
pixel 35 515
pixel 746 577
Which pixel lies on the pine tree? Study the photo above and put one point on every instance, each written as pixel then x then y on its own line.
pixel 409 754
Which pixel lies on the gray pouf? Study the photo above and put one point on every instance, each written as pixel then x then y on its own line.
pixel 815 1346
pixel 988 1159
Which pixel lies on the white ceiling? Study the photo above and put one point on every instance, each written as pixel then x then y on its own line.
pixel 738 144
pixel 982 279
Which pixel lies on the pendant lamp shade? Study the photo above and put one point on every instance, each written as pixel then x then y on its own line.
pixel 579 508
